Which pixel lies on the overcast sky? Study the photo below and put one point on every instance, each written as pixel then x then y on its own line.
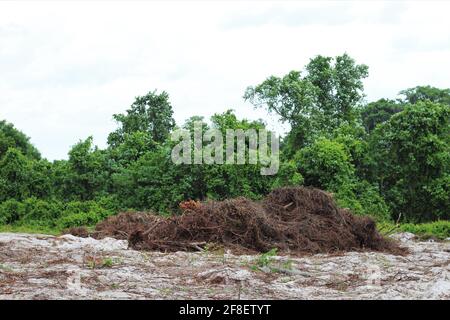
pixel 67 67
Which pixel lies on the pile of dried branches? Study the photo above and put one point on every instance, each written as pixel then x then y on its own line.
pixel 294 220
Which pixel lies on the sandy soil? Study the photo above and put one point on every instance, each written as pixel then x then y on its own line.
pixel 67 267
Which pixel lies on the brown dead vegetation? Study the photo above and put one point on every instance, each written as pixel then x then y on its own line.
pixel 294 220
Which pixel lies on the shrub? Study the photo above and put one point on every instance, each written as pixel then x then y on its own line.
pixel 40 212
pixel 76 207
pixel 362 198
pixel 325 163
pixel 79 219
pixel 10 211
pixel 51 214
pixel 110 203
pixel 82 213
pixel 288 175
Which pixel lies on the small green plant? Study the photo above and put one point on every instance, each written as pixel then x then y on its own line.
pixel 287 264
pixel 107 263
pixel 145 257
pixel 114 286
pixel 265 262
pixel 265 259
pixel 93 262
pixel 207 248
pixel 213 249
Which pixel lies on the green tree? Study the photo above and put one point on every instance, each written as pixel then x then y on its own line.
pixel 150 114
pixel 15 173
pixel 10 137
pixel 379 112
pixel 11 211
pixel 316 103
pixel 353 138
pixel 85 175
pixel 426 93
pixel 329 165
pixel 40 179
pixel 134 146
pixel 155 182
pixel 411 161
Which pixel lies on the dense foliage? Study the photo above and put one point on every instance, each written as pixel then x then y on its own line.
pixel 387 158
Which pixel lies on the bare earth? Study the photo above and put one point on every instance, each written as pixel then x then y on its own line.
pixel 67 267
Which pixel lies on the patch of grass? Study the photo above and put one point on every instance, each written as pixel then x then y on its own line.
pixel 266 263
pixel 5 268
pixel 145 257
pixel 29 229
pixel 438 229
pixel 98 262
pixel 114 286
pixel 214 248
pixel 288 264
pixel 107 263
pixel 287 279
pixel 35 229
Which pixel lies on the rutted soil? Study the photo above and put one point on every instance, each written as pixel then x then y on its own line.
pixel 68 267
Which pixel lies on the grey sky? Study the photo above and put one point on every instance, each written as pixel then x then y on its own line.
pixel 67 67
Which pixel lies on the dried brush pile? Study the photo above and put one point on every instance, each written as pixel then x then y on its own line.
pixel 294 220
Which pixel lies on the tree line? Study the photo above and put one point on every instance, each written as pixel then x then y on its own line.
pixel 388 158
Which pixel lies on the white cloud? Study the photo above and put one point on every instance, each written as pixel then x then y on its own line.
pixel 66 67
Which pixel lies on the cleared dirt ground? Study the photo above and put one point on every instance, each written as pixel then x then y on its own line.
pixel 68 267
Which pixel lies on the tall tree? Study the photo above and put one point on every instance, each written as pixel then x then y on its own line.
pixel 151 114
pixel 411 161
pixel 426 93
pixel 379 112
pixel 22 177
pixel 86 174
pixel 10 137
pixel 315 103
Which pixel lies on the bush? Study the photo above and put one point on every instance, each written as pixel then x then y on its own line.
pixel 363 199
pixel 40 212
pixel 77 207
pixel 324 164
pixel 327 164
pixel 110 203
pixel 155 183
pixel 82 213
pixel 11 211
pixel 80 219
pixel 288 176
pixel 51 214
